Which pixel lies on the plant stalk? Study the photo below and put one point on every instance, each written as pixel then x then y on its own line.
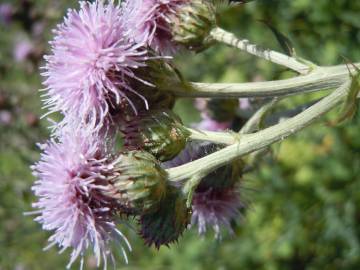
pixel 228 38
pixel 224 137
pixel 321 78
pixel 261 139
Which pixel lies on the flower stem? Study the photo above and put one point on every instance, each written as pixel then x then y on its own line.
pixel 227 137
pixel 259 140
pixel 292 63
pixel 321 78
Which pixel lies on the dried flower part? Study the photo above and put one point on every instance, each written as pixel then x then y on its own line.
pixel 161 133
pixel 71 176
pixel 192 23
pixel 140 182
pixel 167 223
pixel 215 208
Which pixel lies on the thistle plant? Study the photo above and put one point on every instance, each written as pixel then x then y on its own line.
pixel 110 68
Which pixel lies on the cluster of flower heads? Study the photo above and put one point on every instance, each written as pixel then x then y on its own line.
pixel 101 77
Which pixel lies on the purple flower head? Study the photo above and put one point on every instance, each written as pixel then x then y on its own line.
pixel 23 50
pixel 149 21
pixel 71 175
pixel 6 13
pixel 92 60
pixel 5 117
pixel 244 104
pixel 216 201
pixel 215 208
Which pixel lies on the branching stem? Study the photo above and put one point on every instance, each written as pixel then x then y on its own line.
pixel 261 139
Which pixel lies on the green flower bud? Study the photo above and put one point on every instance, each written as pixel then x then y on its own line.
pixel 192 23
pixel 139 183
pixel 156 83
pixel 160 133
pixel 162 74
pixel 167 223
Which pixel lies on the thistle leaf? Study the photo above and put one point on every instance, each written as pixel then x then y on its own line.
pixel 283 40
pixel 350 105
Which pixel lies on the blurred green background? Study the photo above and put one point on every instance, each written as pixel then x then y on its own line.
pixel 304 204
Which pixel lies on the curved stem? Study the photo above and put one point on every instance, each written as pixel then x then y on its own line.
pixel 259 140
pixel 257 119
pixel 292 63
pixel 321 78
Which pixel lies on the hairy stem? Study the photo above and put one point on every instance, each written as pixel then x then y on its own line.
pixel 259 140
pixel 228 38
pixel 213 136
pixel 321 78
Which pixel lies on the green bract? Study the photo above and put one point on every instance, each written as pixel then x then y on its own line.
pixel 140 182
pixel 166 224
pixel 192 24
pixel 161 133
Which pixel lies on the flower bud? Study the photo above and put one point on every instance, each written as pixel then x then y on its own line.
pixel 155 86
pixel 139 183
pixel 192 23
pixel 166 224
pixel 160 133
pixel 163 75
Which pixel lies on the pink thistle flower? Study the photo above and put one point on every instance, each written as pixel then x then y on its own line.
pixel 215 208
pixel 92 60
pixel 5 117
pixel 244 104
pixel 6 13
pixel 216 201
pixel 149 20
pixel 71 177
pixel 22 50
